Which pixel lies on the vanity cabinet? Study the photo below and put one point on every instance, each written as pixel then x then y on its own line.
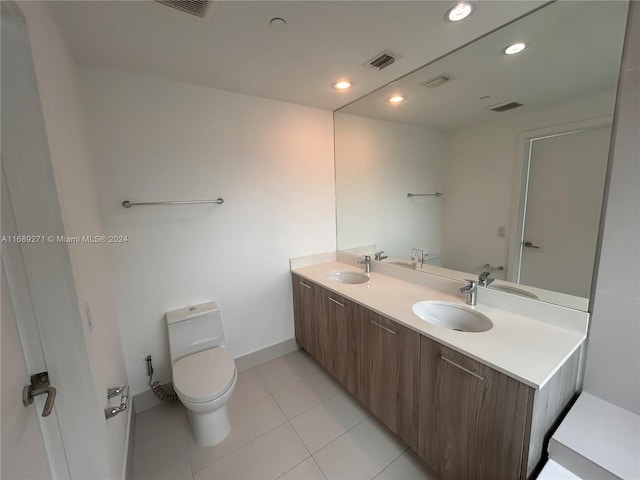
pixel 374 358
pixel 390 363
pixel 472 419
pixel 463 418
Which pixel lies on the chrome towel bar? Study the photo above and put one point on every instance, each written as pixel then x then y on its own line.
pixel 437 194
pixel 128 204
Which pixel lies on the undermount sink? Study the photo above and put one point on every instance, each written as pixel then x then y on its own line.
pixel 452 316
pixel 513 290
pixel 351 278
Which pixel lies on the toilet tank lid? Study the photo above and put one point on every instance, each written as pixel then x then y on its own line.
pixel 191 311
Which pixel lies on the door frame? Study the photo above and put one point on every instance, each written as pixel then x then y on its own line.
pixel 525 139
pixel 39 274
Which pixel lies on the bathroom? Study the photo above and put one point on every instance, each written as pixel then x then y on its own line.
pixel 135 114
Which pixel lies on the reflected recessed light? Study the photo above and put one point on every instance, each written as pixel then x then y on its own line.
pixel 459 11
pixel 343 85
pixel 514 48
pixel 396 99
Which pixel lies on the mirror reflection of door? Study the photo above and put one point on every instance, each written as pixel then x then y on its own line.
pixel 563 200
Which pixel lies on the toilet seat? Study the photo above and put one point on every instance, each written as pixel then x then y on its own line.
pixel 204 376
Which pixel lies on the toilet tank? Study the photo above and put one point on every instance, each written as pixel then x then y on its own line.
pixel 193 329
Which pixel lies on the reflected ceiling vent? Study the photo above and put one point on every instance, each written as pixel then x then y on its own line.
pixel 199 8
pixel 381 61
pixel 437 81
pixel 504 106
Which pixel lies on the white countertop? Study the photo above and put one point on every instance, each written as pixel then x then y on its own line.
pixel 590 424
pixel 525 349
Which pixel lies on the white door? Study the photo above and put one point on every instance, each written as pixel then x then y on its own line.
pixel 23 451
pixel 40 289
pixel 562 214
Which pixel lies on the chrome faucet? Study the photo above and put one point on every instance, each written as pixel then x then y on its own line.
pixel 471 289
pixel 417 257
pixel 367 263
pixel 378 255
pixel 484 279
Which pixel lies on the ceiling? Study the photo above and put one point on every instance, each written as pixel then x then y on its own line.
pixel 573 52
pixel 235 48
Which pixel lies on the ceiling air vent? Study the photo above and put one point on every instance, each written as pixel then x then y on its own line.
pixel 437 81
pixel 503 107
pixel 381 61
pixel 199 8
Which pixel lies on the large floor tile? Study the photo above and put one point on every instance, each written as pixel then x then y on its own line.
pixel 285 371
pixel 249 388
pixel 306 394
pixel 407 467
pixel 327 421
pixel 247 424
pixel 267 457
pixel 361 453
pixel 307 470
pixel 160 444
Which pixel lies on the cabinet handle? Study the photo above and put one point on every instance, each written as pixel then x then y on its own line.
pixel 304 284
pixel 470 372
pixel 383 327
pixel 336 302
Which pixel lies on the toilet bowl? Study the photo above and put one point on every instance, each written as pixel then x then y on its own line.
pixel 204 373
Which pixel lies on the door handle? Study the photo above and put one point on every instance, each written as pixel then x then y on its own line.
pixel 530 245
pixel 336 302
pixel 393 332
pixel 39 386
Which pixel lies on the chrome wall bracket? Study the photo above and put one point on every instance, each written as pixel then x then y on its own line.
pixel 110 412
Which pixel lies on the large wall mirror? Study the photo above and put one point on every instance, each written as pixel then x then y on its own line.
pixel 490 162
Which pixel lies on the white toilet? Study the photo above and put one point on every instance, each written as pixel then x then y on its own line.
pixel 204 373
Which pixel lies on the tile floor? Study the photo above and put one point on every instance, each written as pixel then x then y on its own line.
pixel 289 420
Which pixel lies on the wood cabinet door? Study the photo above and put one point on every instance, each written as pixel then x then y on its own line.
pixel 342 334
pixel 307 314
pixel 472 419
pixel 390 365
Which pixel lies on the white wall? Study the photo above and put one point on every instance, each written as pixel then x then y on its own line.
pixel 377 163
pixel 75 182
pixel 272 162
pixel 480 167
pixel 613 358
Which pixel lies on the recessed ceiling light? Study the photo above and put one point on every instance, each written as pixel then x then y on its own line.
pixel 396 99
pixel 342 85
pixel 459 11
pixel 514 48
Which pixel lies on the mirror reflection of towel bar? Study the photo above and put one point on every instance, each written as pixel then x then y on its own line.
pixel 491 267
pixel 437 194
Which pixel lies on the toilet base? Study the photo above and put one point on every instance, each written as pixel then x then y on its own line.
pixel 210 428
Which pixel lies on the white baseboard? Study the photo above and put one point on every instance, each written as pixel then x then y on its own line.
pixel 250 360
pixel 146 400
